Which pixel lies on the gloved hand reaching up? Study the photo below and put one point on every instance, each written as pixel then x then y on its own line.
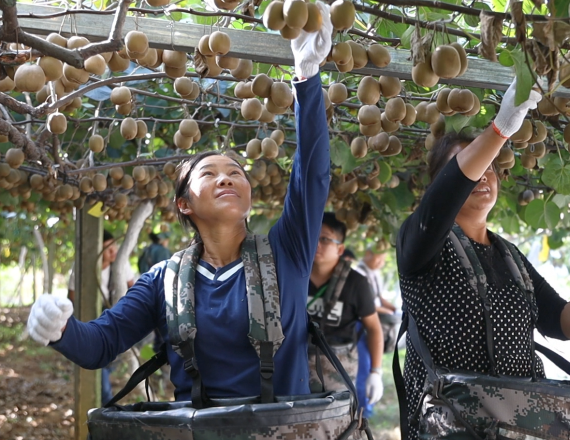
pixel 510 117
pixel 310 49
pixel 48 318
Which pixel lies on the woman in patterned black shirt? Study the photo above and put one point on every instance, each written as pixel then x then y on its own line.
pixel 435 289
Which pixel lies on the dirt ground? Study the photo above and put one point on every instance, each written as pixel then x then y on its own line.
pixel 36 386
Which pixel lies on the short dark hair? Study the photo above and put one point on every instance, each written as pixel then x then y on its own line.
pixel 338 227
pixel 107 236
pixel 439 154
pixel 154 237
pixel 349 254
pixel 184 170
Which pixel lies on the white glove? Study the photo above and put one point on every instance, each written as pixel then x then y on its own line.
pixel 374 388
pixel 310 49
pixel 510 117
pixel 48 317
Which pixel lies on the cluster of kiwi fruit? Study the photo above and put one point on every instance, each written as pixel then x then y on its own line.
pixel 267 181
pixel 528 195
pixel 350 55
pixel 446 61
pixel 277 98
pixel 290 17
pixel 214 48
pixel 187 134
pixel 268 147
pixel 452 101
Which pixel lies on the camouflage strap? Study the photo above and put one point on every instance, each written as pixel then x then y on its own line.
pixel 478 281
pixel 265 331
pixel 335 286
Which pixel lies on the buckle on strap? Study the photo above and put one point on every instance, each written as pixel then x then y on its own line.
pixel 190 367
pixel 266 369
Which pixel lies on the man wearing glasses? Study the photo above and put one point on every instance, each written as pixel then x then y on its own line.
pixel 338 298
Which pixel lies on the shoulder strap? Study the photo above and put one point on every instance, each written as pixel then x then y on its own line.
pixel 265 331
pixel 335 286
pixel 478 281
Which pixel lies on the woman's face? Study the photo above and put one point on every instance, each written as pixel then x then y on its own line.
pixel 218 190
pixel 484 196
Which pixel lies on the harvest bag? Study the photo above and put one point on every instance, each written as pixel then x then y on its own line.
pixel 467 405
pixel 327 415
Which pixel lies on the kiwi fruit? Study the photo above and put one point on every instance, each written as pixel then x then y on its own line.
pixel 128 128
pixel 127 182
pixel 118 64
pixel 476 107
pixel 96 143
pixel 410 116
pixel 251 109
pixel 219 43
pixel 273 16
pixel 52 67
pixel 266 116
pixel 460 100
pixel 261 85
pixel 99 182
pixel 142 129
pixel 150 59
pixel 194 93
pixel 528 161
pixel 567 134
pixel 520 145
pixel 539 133
pixel 73 75
pixel 378 55
pixel 432 114
pixel 359 54
pixel 278 136
pixel 95 65
pixel 281 94
pixel 243 70
pixel 369 115
pixel 337 93
pixel 394 147
pixel 273 108
pixel 438 127
pixel 7 84
pixel 395 109
pixel 387 125
pixel 462 57
pixel 342 14
pixel 295 13
pixel 368 91
pixel 243 90
pixel 56 123
pixel 525 197
pixel 564 74
pixel 561 104
pixel 189 128
pixel 15 157
pixel 121 95
pixel 326 100
pixel 524 133
pixel 124 109
pixel 371 130
pixel 441 101
pixel 269 148
pixel 116 173
pixel 358 147
pixel 289 33
pixel 537 150
pixel 86 184
pixel 546 107
pixel 349 187
pixel 227 62
pixel 204 46
pixel 314 19
pixel 182 142
pixel 136 43
pixel 156 3
pixel 29 78
pixel 445 61
pixel 341 53
pixel 174 58
pixel 253 149
pixel 75 42
pixel 390 86
pixel 183 86
pixel 57 39
pixel 505 155
pixel 178 72
pixel 423 75
pixel 379 142
pixel 343 68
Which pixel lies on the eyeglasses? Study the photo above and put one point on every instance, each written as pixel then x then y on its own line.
pixel 325 241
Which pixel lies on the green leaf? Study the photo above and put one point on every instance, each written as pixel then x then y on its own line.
pixel 524 76
pixel 456 122
pixel 561 201
pixel 541 214
pixel 506 59
pixel 385 172
pixel 557 175
pixel 406 37
pixel 510 224
pixel 341 155
pixel 473 20
pixel 559 8
pixel 147 352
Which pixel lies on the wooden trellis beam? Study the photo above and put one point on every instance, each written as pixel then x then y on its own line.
pixel 267 48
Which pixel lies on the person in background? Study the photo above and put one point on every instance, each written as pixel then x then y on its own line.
pixel 108 256
pixel 370 267
pixel 214 197
pixel 448 311
pixel 339 298
pixel 348 255
pixel 155 252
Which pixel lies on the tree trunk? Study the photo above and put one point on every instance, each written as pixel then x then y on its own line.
pixel 45 268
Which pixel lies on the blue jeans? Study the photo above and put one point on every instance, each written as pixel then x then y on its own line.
pixel 364 364
pixel 106 390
